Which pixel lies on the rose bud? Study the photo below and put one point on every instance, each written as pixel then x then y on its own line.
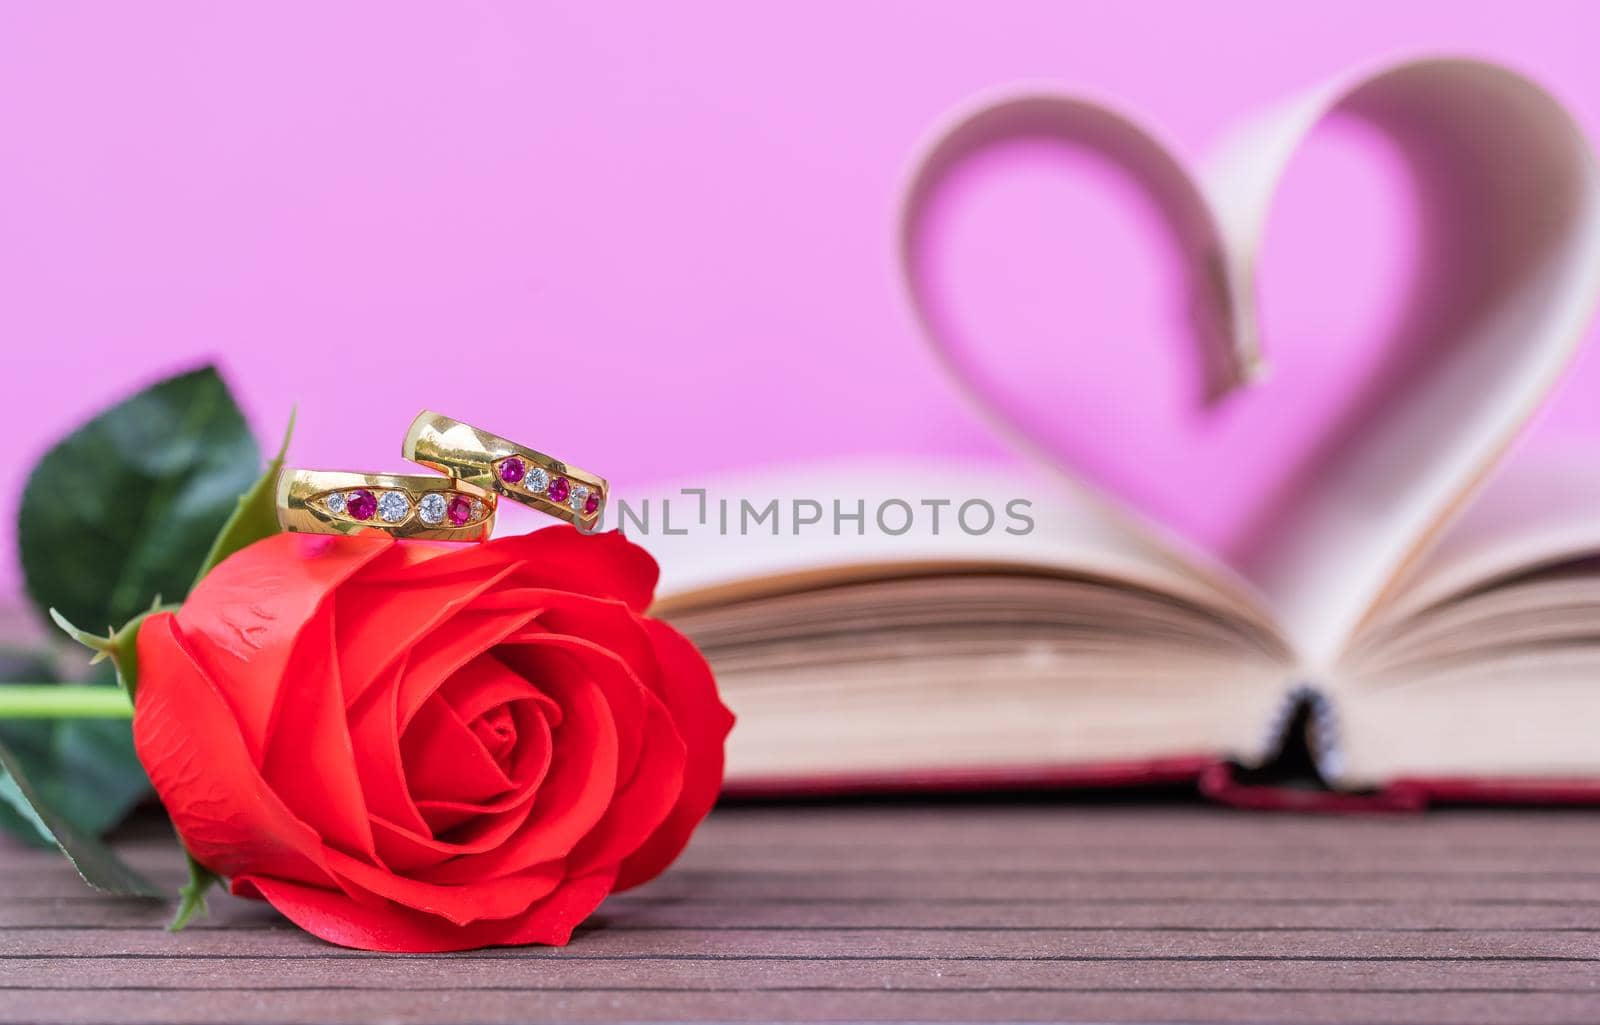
pixel 419 746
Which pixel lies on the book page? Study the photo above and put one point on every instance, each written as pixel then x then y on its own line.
pixel 1506 199
pixel 1541 508
pixel 1039 523
pixel 1509 283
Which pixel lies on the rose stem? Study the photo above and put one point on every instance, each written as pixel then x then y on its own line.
pixel 54 701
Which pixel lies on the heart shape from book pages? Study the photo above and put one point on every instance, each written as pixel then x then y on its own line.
pixel 1316 481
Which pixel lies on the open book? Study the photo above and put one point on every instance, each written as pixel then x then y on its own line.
pixel 1444 635
pixel 1083 650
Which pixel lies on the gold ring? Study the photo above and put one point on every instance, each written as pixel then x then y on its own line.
pixel 405 505
pixel 503 467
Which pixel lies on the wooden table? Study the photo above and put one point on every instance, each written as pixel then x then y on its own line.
pixel 913 911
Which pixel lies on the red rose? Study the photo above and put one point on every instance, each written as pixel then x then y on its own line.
pixel 414 746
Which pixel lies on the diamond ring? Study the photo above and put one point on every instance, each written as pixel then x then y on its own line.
pixel 404 505
pixel 490 462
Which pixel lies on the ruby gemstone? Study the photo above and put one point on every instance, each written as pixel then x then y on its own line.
pixel 560 488
pixel 512 470
pixel 460 510
pixel 591 505
pixel 361 504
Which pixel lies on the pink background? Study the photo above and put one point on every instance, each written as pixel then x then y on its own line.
pixel 654 239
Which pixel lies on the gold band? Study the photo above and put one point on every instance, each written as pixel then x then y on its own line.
pixel 503 467
pixel 404 505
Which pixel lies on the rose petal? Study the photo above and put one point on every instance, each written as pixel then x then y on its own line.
pixel 380 622
pixel 530 760
pixel 405 557
pixel 455 828
pixel 190 745
pixel 486 682
pixel 573 798
pixel 530 765
pixel 244 619
pixel 445 761
pixel 404 850
pixel 444 653
pixel 333 917
pixel 458 903
pixel 685 684
pixel 609 623
pixel 541 656
pixel 375 735
pixel 310 762
pixel 605 565
pixel 642 803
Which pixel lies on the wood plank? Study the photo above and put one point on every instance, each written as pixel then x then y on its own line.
pixel 899 889
pixel 1147 1004
pixel 601 943
pixel 1115 829
pixel 270 974
pixel 932 912
pixel 635 911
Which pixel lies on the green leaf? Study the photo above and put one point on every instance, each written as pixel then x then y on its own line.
pixel 116 514
pixel 119 512
pixel 24 667
pixel 125 508
pixel 19 826
pixel 255 515
pixel 95 862
pixel 85 769
pixel 31 667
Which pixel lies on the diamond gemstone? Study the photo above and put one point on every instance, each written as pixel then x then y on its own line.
pixel 431 508
pixel 579 498
pixel 536 480
pixel 361 504
pixel 335 502
pixel 394 506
